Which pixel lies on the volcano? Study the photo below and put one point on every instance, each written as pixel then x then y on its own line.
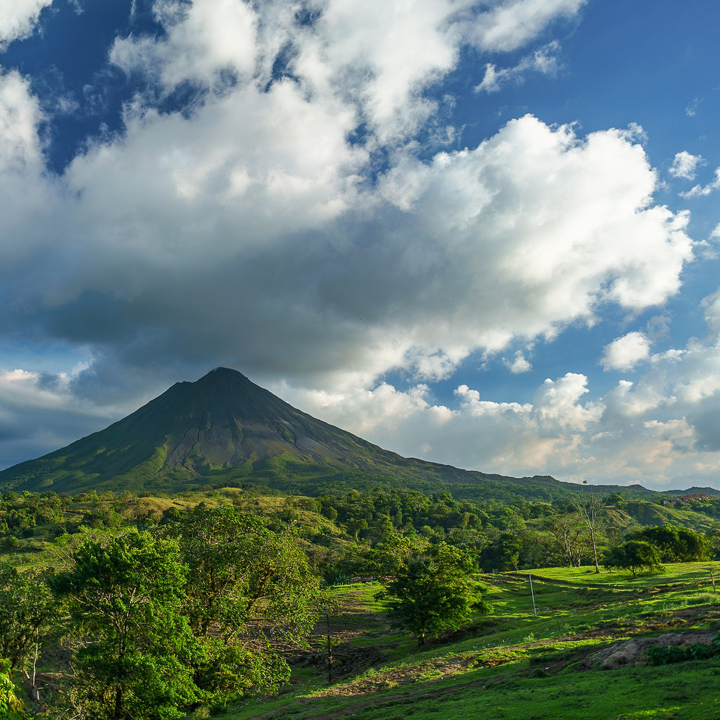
pixel 225 430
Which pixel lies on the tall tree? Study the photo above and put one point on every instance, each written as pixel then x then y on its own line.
pixel 589 508
pixel 132 645
pixel 27 611
pixel 569 537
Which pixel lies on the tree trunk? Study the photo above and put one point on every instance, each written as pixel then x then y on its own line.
pixel 594 547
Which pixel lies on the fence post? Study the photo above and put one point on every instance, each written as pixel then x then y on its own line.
pixel 532 594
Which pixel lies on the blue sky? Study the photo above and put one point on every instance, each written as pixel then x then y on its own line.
pixel 482 233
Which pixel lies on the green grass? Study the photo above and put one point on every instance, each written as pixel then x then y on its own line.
pixel 515 665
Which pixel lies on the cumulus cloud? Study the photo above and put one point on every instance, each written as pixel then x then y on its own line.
pixel 685 165
pixel 625 352
pixel 204 38
pixel 284 223
pixel 507 26
pixel 183 239
pixel 519 364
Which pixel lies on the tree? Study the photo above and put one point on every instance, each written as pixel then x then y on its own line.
pixel 633 555
pixel 675 544
pixel 503 553
pixel 589 509
pixel 132 645
pixel 392 554
pixel 27 611
pixel 434 592
pixel 569 538
pixel 249 587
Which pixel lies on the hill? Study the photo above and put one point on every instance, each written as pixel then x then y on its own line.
pixel 224 430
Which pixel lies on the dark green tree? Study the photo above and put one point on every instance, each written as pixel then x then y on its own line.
pixel 132 645
pixel 633 555
pixel 502 553
pixel 675 544
pixel 434 592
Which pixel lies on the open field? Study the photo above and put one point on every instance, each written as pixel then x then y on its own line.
pixel 512 664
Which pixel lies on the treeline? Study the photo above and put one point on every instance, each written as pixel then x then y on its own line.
pixel 343 528
pixel 501 537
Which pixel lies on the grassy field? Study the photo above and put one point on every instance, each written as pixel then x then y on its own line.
pixel 514 664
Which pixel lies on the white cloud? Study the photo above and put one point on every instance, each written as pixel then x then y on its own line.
pixel 531 230
pixel 519 364
pixel 703 190
pixel 18 18
pixel 685 165
pixel 508 25
pixel 204 38
pixel 543 61
pixel 625 352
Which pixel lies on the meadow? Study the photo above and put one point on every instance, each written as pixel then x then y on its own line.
pixel 580 656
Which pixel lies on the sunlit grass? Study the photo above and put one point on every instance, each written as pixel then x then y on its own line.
pixel 514 664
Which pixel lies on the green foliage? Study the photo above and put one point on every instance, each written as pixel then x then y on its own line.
pixel 131 643
pixel 658 655
pixel 11 707
pixel 675 544
pixel 26 612
pixel 250 588
pixel 434 592
pixel 633 555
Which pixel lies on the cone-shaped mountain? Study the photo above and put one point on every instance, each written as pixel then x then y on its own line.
pixel 225 430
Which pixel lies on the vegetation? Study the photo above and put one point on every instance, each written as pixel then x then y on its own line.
pixel 434 592
pixel 11 706
pixel 634 555
pixel 169 607
pixel 131 643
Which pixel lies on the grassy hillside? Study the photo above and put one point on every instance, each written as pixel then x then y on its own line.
pixel 580 657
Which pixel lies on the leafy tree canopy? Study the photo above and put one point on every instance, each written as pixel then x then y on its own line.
pixel 675 544
pixel 633 555
pixel 26 611
pixel 249 587
pixel 132 643
pixel 434 592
